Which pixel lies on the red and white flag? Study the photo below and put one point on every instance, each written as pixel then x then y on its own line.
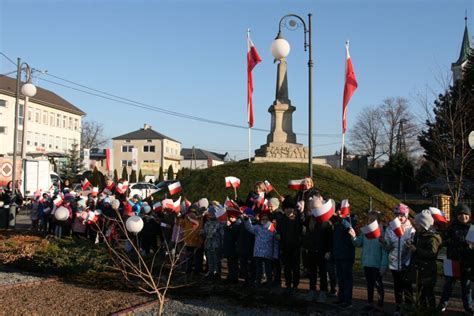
pixel 295 184
pixel 345 208
pixel 231 204
pixel 396 227
pixel 437 215
pixel 95 191
pixel 451 268
pixel 167 204
pixel 107 160
pixel 324 212
pixel 85 184
pixel 232 182
pixel 157 207
pixel 177 205
pixel 252 60
pixel 175 188
pixel 271 227
pixel 122 187
pixel 58 200
pixel 269 186
pixel 372 230
pixel 350 86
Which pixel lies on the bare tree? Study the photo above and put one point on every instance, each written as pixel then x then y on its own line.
pixel 92 135
pixel 367 134
pixel 400 128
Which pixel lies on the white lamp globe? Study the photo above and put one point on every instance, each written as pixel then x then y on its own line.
pixel 134 224
pixel 280 48
pixel 61 214
pixel 28 89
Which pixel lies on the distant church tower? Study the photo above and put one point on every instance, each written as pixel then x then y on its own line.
pixel 466 50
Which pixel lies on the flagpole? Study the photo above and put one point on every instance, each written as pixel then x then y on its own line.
pixel 342 150
pixel 248 36
pixel 343 119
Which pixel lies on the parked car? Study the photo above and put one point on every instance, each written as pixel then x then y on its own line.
pixel 144 189
pixel 440 186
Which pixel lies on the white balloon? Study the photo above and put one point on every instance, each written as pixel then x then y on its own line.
pixel 134 224
pixel 61 214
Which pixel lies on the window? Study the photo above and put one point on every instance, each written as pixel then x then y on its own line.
pixel 149 148
pixel 126 163
pixel 29 138
pixel 58 142
pixel 21 114
pixel 127 148
pixel 51 119
pixel 64 144
pixel 3 129
pixel 148 140
pixel 19 142
pixel 127 140
pixel 37 136
pixel 44 139
pixel 64 121
pixel 37 116
pixel 76 124
pixel 167 150
pixel 30 116
pixel 45 118
pixel 149 161
pixel 51 141
pixel 3 103
pixel 70 123
pixel 58 120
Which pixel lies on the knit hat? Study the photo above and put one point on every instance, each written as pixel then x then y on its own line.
pixel 401 209
pixel 424 219
pixel 462 209
pixel 274 203
pixel 147 209
pixel 203 203
pixel 115 204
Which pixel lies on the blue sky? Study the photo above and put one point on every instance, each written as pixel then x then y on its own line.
pixel 190 57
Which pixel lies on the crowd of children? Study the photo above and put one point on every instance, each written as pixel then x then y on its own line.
pixel 264 236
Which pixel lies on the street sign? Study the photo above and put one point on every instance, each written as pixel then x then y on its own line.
pixel 471 139
pixel 6 169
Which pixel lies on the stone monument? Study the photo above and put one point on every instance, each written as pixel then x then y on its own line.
pixel 281 143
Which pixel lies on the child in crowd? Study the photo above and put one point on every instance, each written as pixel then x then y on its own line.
pixel 374 260
pixel 276 216
pixel 213 234
pixel 399 257
pixel 245 250
pixel 149 232
pixel 192 227
pixel 231 236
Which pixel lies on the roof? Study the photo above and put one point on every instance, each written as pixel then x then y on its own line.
pixel 465 48
pixel 43 96
pixel 144 133
pixel 201 154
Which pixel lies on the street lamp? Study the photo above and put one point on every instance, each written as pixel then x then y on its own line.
pixel 281 48
pixel 28 90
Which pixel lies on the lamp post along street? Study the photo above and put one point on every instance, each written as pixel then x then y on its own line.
pixel 281 49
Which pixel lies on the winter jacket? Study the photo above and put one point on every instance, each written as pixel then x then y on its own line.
pixel 398 254
pixel 150 227
pixel 424 258
pixel 290 232
pixel 342 246
pixel 318 236
pixel 458 248
pixel 264 246
pixel 214 233
pixel 231 236
pixel 245 241
pixel 373 254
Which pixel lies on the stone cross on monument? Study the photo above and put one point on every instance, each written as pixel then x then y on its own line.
pixel 281 143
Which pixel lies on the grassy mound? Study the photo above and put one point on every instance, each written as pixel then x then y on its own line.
pixel 332 183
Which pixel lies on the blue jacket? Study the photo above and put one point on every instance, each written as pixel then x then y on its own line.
pixel 342 247
pixel 265 246
pixel 373 254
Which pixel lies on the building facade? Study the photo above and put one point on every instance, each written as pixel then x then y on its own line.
pixel 47 123
pixel 148 150
pixel 466 49
pixel 195 158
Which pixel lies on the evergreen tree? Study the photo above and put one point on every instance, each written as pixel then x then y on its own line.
pixel 74 163
pixel 115 176
pixel 399 174
pixel 170 173
pixel 124 173
pixel 161 176
pixel 141 178
pixel 133 176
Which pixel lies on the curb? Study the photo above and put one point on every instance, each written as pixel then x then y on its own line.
pixel 130 310
pixel 25 284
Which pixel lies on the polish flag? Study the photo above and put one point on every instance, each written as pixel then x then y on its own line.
pixel 231 204
pixel 271 227
pixel 269 186
pixel 58 200
pixel 451 268
pixel 157 207
pixel 168 204
pixel 95 191
pixel 437 215
pixel 252 60
pixel 194 222
pixel 295 184
pixel 324 212
pixel 85 184
pixel 93 217
pixel 371 231
pixel 345 208
pixel 177 205
pixel 350 86
pixel 232 182
pixel 397 227
pixel 221 213
pixel 175 188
